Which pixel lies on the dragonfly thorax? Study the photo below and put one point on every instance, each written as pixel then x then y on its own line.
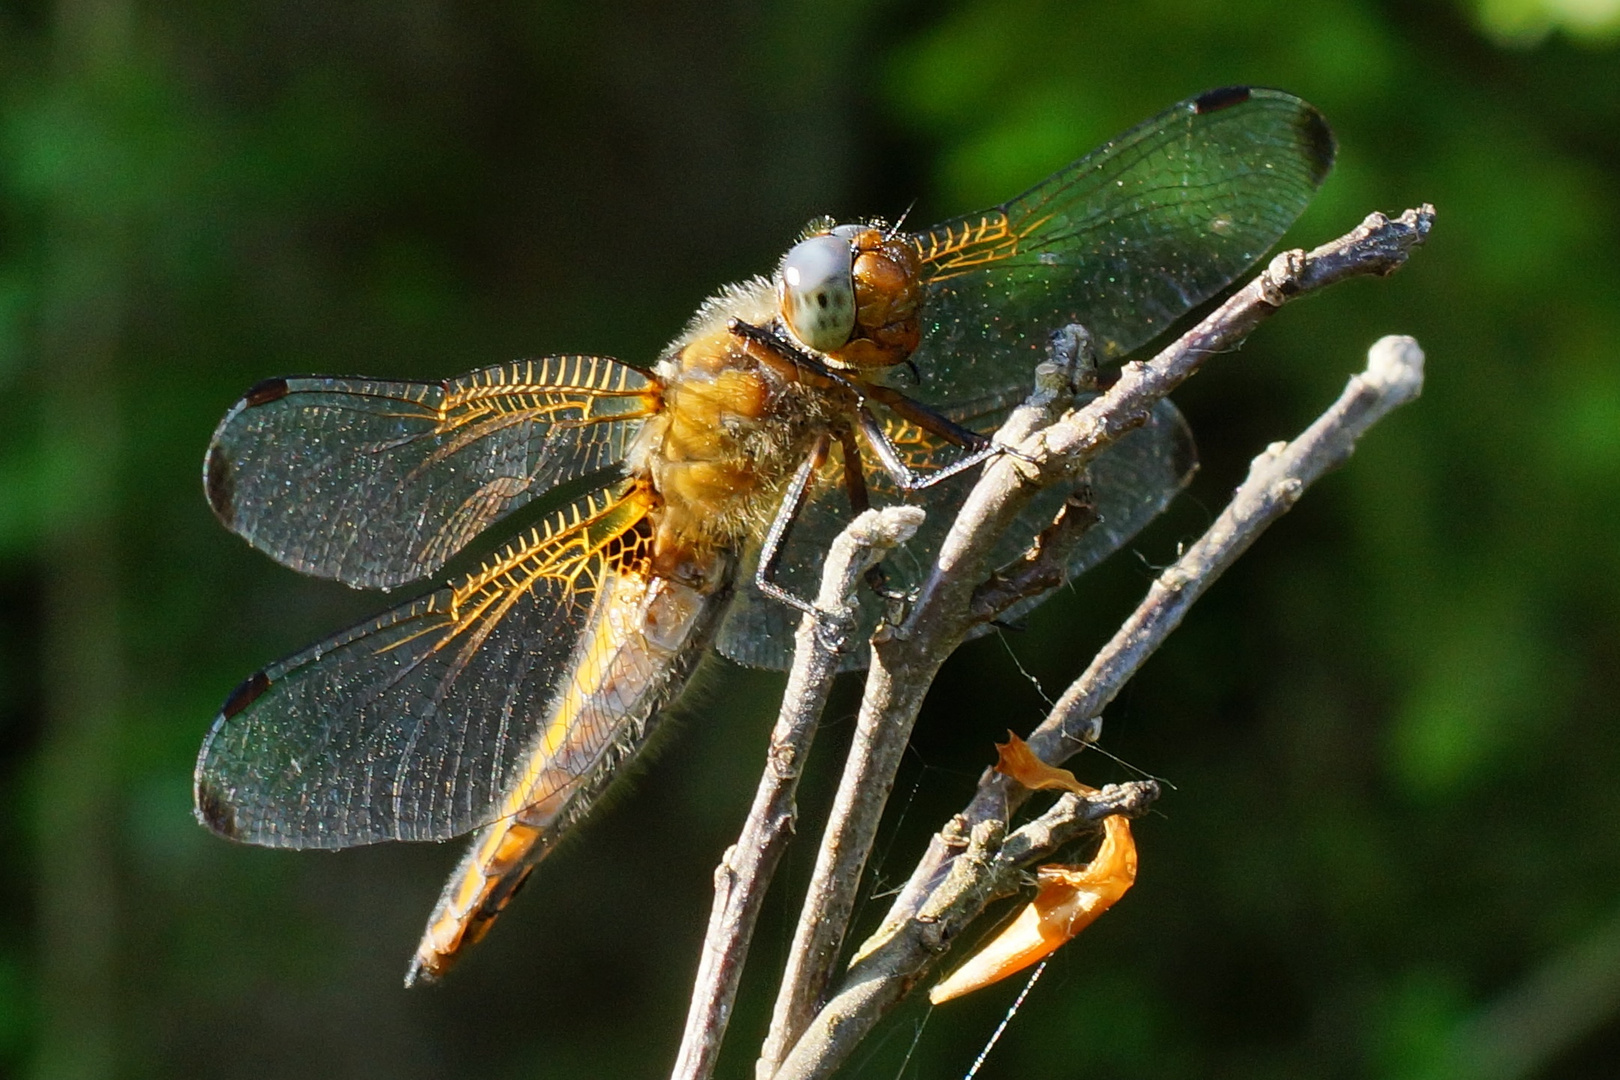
pixel 734 423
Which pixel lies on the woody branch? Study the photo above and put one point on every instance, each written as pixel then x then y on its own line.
pixel 963 868
pixel 1053 446
pixel 1054 443
pixel 744 873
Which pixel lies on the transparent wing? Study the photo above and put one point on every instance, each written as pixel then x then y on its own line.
pixel 379 483
pixel 1132 481
pixel 411 726
pixel 1124 241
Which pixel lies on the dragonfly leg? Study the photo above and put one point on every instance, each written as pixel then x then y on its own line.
pixel 770 555
pixel 908 480
pixel 916 412
pixel 860 500
pixel 787 358
pixel 797 363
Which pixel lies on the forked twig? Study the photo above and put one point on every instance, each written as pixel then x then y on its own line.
pixel 904 666
pixel 986 868
pixel 913 936
pixel 745 871
pixel 954 881
pixel 1277 478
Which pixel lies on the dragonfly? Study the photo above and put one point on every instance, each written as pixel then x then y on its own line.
pixel 687 504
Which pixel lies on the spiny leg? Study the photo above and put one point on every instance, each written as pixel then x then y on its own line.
pixel 860 500
pixel 770 555
pixel 787 358
pixel 797 363
pixel 931 421
pixel 904 477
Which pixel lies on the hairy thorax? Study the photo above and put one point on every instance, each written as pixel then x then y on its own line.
pixel 732 430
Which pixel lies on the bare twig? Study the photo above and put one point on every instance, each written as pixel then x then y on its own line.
pixel 744 873
pixel 985 870
pixel 905 663
pixel 1044 566
pixel 873 757
pixel 1276 480
pixel 962 879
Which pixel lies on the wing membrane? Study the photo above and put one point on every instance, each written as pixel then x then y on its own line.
pixel 1124 241
pixel 1132 481
pixel 379 483
pixel 412 726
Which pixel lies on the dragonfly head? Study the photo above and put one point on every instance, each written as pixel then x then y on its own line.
pixel 851 292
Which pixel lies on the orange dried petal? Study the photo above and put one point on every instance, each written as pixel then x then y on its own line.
pixel 1018 761
pixel 1070 899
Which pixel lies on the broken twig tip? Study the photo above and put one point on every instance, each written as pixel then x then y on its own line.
pixel 1395 364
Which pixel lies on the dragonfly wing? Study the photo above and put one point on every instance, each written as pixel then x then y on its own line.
pixel 378 483
pixel 758 631
pixel 412 726
pixel 1132 481
pixel 1124 241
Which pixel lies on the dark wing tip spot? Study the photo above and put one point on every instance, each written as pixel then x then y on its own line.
pixel 1224 98
pixel 219 484
pixel 1320 146
pixel 214 811
pixel 263 393
pixel 245 694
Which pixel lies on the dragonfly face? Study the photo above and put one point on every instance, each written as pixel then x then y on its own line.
pixel 851 292
pixel 504 701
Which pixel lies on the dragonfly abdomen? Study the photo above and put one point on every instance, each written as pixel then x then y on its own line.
pixel 643 636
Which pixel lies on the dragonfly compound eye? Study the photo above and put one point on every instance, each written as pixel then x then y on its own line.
pixel 818 291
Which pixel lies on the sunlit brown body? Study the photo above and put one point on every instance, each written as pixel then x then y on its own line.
pixel 735 418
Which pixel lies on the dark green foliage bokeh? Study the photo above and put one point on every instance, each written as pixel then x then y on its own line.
pixel 1390 729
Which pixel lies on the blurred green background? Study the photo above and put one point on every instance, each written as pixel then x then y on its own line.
pixel 1393 847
